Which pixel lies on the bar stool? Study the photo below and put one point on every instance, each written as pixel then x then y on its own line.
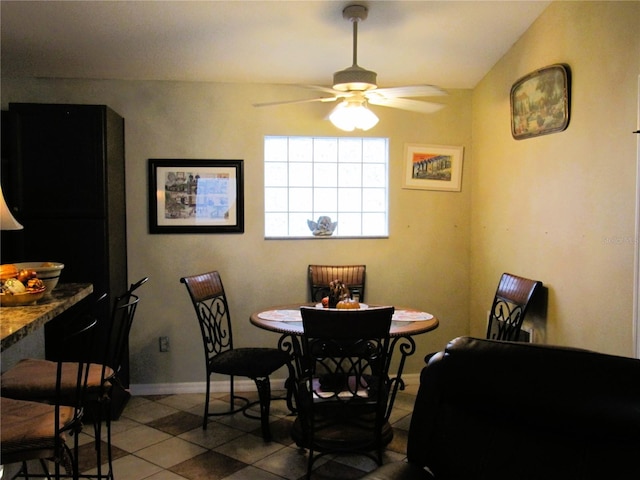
pixel 43 431
pixel 33 379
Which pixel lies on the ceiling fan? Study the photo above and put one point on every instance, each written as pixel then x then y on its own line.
pixel 356 87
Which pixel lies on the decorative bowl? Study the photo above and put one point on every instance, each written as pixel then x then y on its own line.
pixel 48 272
pixel 21 299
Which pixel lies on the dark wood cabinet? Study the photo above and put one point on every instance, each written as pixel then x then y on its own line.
pixel 66 185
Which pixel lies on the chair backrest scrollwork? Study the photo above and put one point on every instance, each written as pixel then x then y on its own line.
pixel 210 303
pixel 510 306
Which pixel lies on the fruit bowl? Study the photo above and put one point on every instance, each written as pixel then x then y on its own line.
pixel 48 272
pixel 21 299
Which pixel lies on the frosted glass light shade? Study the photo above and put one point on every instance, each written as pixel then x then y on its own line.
pixel 348 116
pixel 7 221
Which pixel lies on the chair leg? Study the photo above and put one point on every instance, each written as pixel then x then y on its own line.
pixel 97 432
pixel 205 419
pixel 264 394
pixel 290 386
pixel 310 463
pixel 109 449
pixel 232 393
pixel 105 412
pixel 45 470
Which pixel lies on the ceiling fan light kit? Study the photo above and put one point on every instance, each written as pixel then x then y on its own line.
pixel 354 78
pixel 349 115
pixel 357 87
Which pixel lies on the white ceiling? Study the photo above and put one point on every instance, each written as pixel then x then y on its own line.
pixel 448 43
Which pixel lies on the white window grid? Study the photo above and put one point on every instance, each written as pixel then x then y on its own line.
pixel 346 179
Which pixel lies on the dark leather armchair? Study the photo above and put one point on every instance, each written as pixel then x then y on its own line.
pixel 506 410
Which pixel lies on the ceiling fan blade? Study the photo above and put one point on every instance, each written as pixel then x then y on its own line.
pixel 406 104
pixel 321 88
pixel 289 102
pixel 410 91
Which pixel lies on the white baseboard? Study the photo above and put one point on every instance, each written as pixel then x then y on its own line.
pixel 242 385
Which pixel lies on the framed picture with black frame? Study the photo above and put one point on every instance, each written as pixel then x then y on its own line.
pixel 196 196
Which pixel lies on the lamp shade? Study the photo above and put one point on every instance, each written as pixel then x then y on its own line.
pixel 7 221
pixel 348 116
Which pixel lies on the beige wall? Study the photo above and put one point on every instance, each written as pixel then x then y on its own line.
pixel 560 208
pixel 552 208
pixel 424 262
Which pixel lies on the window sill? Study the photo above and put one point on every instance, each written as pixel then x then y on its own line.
pixel 360 237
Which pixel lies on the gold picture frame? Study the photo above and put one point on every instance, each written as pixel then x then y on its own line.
pixel 540 102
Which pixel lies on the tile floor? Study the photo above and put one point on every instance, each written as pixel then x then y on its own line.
pixel 161 438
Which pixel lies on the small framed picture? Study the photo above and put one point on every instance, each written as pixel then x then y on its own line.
pixel 196 196
pixel 540 102
pixel 433 167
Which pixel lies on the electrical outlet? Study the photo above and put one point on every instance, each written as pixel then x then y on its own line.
pixel 164 344
pixel 526 334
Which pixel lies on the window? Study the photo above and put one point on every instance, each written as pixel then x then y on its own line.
pixel 306 178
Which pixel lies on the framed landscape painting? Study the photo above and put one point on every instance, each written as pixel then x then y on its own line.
pixel 540 102
pixel 196 196
pixel 433 167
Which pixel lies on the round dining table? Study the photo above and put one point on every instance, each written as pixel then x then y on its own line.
pixel 405 323
pixel 287 320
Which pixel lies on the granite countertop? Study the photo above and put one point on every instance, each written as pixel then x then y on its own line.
pixel 18 322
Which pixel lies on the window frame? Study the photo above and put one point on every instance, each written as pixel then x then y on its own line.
pixel 312 157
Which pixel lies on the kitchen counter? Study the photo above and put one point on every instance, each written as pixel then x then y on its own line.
pixel 18 322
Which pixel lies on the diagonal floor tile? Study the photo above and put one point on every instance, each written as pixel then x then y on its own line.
pixel 184 401
pixel 208 466
pixel 252 473
pixel 215 435
pixel 87 455
pixel 176 423
pixel 132 468
pixel 240 421
pixel 121 425
pixel 280 431
pixel 165 475
pixel 147 412
pixel 248 448
pixel 289 463
pixel 403 423
pixel 399 442
pixel 170 452
pixel 138 438
pixel 332 470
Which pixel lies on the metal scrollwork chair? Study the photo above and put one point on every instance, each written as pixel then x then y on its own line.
pixel 510 306
pixel 344 386
pixel 33 430
pixel 353 276
pixel 210 303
